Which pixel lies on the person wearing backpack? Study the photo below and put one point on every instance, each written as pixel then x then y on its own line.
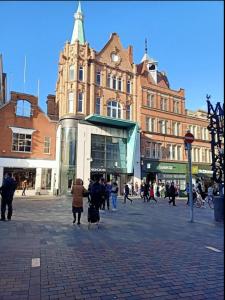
pixel 114 193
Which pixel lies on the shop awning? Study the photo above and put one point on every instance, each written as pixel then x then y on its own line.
pixel 108 121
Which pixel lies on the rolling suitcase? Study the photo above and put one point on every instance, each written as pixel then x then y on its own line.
pixel 93 216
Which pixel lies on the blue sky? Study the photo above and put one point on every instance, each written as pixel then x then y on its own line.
pixel 185 37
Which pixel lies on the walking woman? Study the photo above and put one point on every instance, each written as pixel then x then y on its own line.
pixel 152 194
pixel 78 191
pixel 114 193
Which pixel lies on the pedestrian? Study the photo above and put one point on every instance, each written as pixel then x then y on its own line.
pixel 103 194
pixel 152 194
pixel 108 188
pixel 187 190
pixel 96 194
pixel 146 192
pixel 114 193
pixel 136 188
pixel 167 190
pixel 7 191
pixel 24 186
pixel 142 189
pixel 162 190
pixel 132 189
pixel 172 193
pixel 78 192
pixel 126 193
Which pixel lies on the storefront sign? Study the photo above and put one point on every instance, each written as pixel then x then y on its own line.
pixel 202 171
pixel 98 170
pixel 174 168
pixel 165 167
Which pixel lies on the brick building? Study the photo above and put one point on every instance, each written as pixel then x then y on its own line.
pixel 110 116
pixel 118 101
pixel 28 143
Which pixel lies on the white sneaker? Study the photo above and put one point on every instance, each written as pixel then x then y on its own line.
pixel 114 209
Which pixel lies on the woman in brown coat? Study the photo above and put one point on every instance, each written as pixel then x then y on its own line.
pixel 77 205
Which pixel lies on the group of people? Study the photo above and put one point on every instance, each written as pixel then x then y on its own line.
pixel 99 193
pixel 199 189
pixel 150 191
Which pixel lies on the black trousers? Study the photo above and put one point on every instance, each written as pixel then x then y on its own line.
pixel 126 197
pixel 172 200
pixel 4 203
pixel 79 216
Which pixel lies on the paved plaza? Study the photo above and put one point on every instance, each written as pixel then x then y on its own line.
pixel 141 251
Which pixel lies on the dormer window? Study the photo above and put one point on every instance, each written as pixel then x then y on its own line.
pixel 23 108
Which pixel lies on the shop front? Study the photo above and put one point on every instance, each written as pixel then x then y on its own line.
pixel 40 175
pixel 202 172
pixel 165 172
pixel 103 146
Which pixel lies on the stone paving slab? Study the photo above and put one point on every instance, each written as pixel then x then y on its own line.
pixel 141 251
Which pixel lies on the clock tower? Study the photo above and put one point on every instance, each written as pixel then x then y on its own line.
pixel 151 64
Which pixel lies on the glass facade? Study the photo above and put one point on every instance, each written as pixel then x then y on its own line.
pixel 109 153
pixel 68 158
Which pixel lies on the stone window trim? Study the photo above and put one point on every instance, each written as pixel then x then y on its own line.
pixel 20 139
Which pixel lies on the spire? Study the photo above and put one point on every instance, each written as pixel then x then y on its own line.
pixel 78 30
pixel 145 57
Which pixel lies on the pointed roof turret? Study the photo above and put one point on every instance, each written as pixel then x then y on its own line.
pixel 145 57
pixel 78 30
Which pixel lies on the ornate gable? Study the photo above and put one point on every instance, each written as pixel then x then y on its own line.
pixel 114 55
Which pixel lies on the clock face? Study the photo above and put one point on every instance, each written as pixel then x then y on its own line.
pixel 115 57
pixel 151 67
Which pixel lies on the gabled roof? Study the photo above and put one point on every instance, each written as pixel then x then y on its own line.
pixel 114 45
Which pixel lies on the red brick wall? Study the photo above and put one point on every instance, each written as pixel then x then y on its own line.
pixel 39 121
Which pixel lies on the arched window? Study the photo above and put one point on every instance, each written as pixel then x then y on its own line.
pixel 23 108
pixel 114 109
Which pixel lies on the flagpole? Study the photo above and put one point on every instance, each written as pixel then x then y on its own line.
pixel 24 73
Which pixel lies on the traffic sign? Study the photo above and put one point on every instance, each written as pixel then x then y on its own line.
pixel 189 138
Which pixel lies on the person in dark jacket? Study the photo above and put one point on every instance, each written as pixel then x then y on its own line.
pixel 103 194
pixel 96 194
pixel 108 188
pixel 146 192
pixel 7 191
pixel 172 192
pixel 126 193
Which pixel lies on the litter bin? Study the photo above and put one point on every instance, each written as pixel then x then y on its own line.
pixel 219 208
